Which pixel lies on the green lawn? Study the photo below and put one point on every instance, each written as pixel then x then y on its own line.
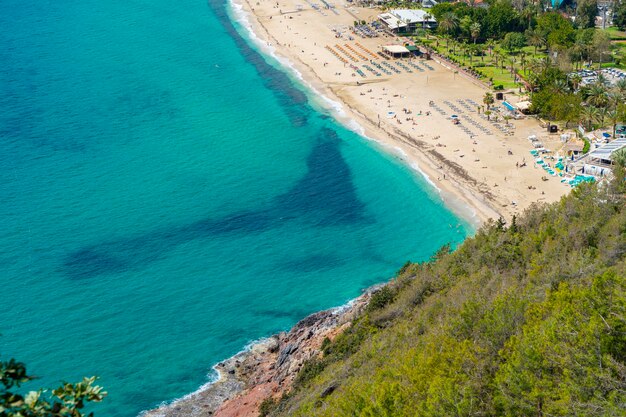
pixel 486 64
pixel 615 33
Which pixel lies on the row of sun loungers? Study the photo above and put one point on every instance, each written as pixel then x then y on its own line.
pixel 384 67
pixel 438 109
pixel 358 70
pixel 391 67
pixel 339 57
pixel 471 105
pixel 357 53
pixel 404 67
pixel 316 7
pixel 340 48
pixel 365 31
pixel 330 6
pixel 468 119
pixel 372 70
pixel 380 67
pixel 414 65
pixel 373 55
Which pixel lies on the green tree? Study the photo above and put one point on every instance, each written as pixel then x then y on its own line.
pixel 559 30
pixel 513 41
pixel 475 31
pixel 620 15
pixel 536 38
pixel 501 17
pixel 601 45
pixel 596 95
pixel 575 80
pixel 586 12
pixel 613 117
pixel 465 24
pixel 488 99
pixel 588 115
pixel 566 107
pixel 448 24
pixel 66 401
pixel 562 363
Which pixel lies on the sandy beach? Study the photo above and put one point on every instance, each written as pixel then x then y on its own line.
pixel 481 172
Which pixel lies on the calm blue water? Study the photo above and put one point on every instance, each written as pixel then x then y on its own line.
pixel 167 196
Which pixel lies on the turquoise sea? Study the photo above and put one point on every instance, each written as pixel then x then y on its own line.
pixel 167 195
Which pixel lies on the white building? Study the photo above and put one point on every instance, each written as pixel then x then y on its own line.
pixel 407 20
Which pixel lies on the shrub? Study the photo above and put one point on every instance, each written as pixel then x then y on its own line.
pixel 311 368
pixel 267 406
pixel 381 298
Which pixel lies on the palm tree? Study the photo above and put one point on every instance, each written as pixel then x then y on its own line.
pixel 575 79
pixel 490 45
pixel 448 23
pixel 596 95
pixel 426 18
pixel 522 59
pixel 527 14
pixel 535 38
pixel 488 99
pixel 473 50
pixel 601 116
pixel 621 86
pixel 614 117
pixel 496 55
pixel 475 31
pixel 614 98
pixel 512 62
pixel 587 116
pixel 561 86
pixel 619 157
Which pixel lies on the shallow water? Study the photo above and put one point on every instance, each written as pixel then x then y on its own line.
pixel 167 196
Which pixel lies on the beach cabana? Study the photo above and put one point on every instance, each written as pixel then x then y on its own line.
pixel 414 50
pixel 523 106
pixel 396 51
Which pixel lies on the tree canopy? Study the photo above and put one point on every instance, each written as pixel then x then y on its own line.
pixel 68 400
pixel 524 319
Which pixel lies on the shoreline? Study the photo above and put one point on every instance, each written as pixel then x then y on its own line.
pixel 456 197
pixel 265 368
pixel 269 366
pixel 464 189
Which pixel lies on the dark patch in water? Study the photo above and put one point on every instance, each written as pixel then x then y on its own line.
pixel 292 99
pixel 312 263
pixel 325 196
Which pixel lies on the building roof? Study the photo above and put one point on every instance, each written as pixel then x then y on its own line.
pixel 412 15
pixel 395 49
pixel 399 18
pixel 604 152
pixel 391 21
pixel 523 105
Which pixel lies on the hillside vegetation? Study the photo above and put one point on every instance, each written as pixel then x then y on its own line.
pixel 524 319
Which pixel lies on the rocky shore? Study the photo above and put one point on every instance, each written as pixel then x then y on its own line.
pixel 267 369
